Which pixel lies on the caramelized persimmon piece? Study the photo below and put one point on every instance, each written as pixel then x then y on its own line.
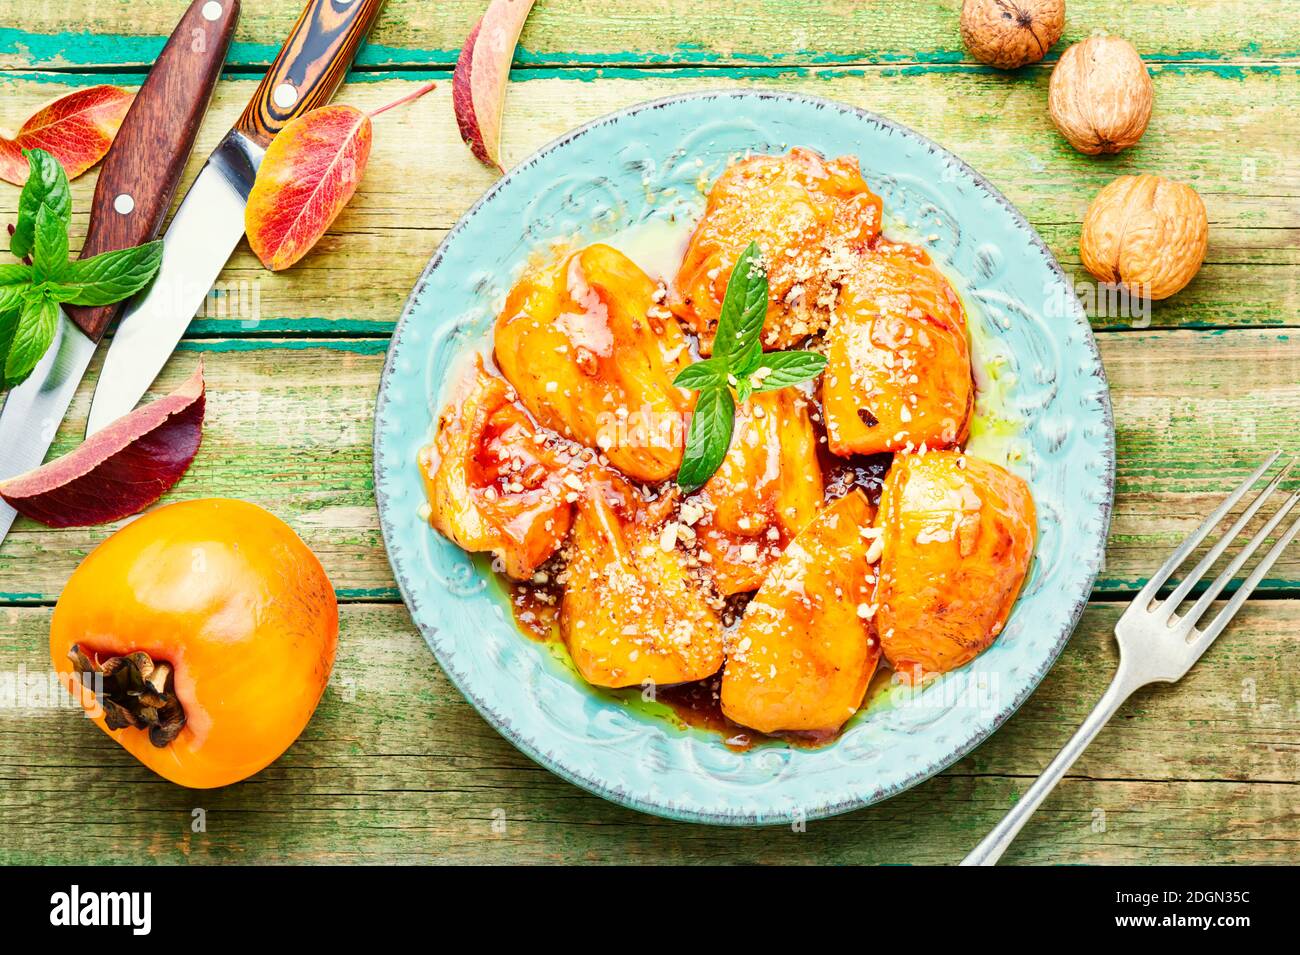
pixel 594 357
pixel 806 213
pixel 899 372
pixel 958 533
pixel 805 649
pixel 495 482
pixel 632 612
pixel 767 490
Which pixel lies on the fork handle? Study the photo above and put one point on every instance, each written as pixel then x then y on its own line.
pixel 995 843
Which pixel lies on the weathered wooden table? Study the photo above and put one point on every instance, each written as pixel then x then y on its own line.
pixel 395 766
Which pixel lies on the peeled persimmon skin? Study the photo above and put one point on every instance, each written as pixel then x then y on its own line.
pixel 958 534
pixel 898 372
pixel 236 603
pixel 805 650
pixel 805 212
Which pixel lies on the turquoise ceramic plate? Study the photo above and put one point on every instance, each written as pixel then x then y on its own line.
pixel 1046 411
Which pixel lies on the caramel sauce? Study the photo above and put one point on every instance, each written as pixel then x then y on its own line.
pixel 536 609
pixel 840 475
pixel 699 705
pixel 867 472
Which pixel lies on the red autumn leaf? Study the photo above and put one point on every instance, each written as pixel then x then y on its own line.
pixel 75 129
pixel 119 470
pixel 478 84
pixel 309 173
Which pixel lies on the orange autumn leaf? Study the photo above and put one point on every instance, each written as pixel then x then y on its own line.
pixel 75 129
pixel 309 173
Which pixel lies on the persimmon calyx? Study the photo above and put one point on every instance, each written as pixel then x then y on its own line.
pixel 133 690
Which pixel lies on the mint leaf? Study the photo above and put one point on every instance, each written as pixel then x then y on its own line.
pixel 46 188
pixel 37 323
pixel 744 388
pixel 50 254
pixel 709 438
pixel 14 280
pixel 30 294
pixel 744 307
pixel 781 369
pixel 110 276
pixel 702 374
pixel 9 315
pixel 738 363
pixel 14 273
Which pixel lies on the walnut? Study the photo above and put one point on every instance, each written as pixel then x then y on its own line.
pixel 1100 95
pixel 1146 233
pixel 1011 33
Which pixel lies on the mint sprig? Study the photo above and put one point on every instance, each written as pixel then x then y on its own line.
pixel 709 437
pixel 46 188
pixel 737 369
pixel 32 290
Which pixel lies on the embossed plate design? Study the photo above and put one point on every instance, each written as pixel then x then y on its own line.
pixel 645 163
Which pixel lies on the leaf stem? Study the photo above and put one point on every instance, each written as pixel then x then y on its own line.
pixel 413 95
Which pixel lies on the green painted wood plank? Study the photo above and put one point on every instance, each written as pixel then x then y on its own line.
pixel 637 33
pixel 1227 135
pixel 1195 412
pixel 396 767
pixel 325 388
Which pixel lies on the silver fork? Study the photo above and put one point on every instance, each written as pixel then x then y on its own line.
pixel 1155 644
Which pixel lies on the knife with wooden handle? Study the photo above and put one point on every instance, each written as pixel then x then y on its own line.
pixel 137 181
pixel 210 221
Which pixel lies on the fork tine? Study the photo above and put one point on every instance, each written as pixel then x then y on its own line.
pixel 1215 552
pixel 1212 592
pixel 1148 593
pixel 1225 616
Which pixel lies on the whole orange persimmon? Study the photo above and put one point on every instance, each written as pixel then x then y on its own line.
pixel 200 637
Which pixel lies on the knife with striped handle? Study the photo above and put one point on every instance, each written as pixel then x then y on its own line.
pixel 136 184
pixel 210 221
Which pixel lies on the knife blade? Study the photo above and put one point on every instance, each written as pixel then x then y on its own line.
pixel 210 222
pixel 33 410
pixel 136 184
pixel 198 241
